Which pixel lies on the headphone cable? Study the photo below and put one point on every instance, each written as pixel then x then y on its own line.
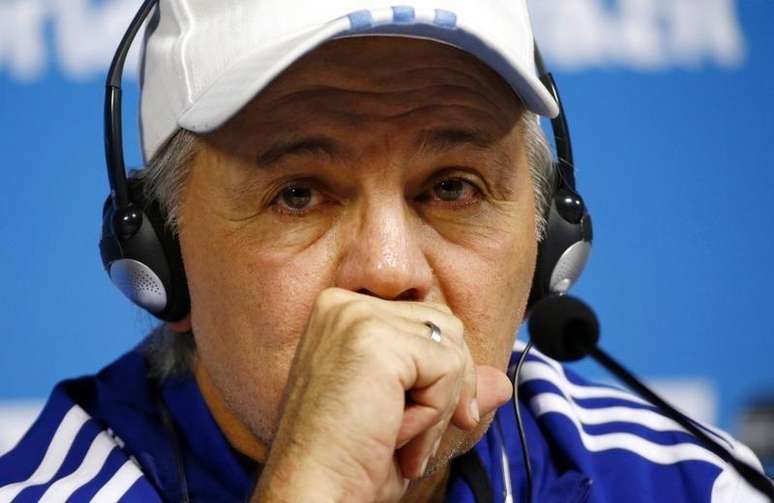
pixel 519 422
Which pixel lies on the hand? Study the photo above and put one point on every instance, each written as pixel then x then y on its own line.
pixel 348 431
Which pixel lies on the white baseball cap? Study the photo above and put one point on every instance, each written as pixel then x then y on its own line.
pixel 206 59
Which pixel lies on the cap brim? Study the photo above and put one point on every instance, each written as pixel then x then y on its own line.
pixel 245 78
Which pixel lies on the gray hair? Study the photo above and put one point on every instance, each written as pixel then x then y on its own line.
pixel 541 167
pixel 171 353
pixel 165 175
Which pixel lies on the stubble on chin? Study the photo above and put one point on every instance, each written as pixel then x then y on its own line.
pixel 458 443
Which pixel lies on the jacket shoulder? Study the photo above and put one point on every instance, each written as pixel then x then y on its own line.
pixel 625 444
pixel 68 455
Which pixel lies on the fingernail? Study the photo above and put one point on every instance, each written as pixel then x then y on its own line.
pixel 474 413
pixel 424 466
pixel 435 446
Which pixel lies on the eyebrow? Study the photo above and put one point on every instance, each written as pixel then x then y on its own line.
pixel 312 145
pixel 440 140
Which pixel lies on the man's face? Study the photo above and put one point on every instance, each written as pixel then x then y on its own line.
pixel 388 166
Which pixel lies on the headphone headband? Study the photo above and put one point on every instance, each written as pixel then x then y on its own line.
pixel 114 139
pixel 562 140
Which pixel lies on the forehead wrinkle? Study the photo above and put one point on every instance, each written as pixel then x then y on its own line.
pixel 441 139
pixel 337 107
pixel 421 119
pixel 334 125
pixel 443 114
pixel 473 83
pixel 330 90
pixel 296 144
pixel 432 70
pixel 442 93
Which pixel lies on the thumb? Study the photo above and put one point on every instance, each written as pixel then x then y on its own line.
pixel 493 388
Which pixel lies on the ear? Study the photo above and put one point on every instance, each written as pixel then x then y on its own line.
pixel 181 326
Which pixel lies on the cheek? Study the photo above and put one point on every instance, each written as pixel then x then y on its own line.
pixel 249 305
pixel 255 298
pixel 487 287
pixel 251 281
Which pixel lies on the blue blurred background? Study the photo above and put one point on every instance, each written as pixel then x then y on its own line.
pixel 670 104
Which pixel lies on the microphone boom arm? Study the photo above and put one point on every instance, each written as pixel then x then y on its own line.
pixel 566 329
pixel 748 472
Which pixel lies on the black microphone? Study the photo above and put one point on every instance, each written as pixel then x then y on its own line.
pixel 566 329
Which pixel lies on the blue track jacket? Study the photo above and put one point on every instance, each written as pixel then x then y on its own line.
pixel 113 437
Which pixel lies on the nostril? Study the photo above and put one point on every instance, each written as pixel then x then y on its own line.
pixel 412 294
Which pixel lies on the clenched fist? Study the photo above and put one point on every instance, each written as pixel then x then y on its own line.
pixel 369 398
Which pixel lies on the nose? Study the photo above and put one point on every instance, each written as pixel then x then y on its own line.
pixel 383 256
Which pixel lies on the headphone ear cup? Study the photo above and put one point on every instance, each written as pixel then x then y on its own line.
pixel 146 266
pixel 565 249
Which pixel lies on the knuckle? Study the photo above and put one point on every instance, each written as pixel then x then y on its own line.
pixel 363 327
pixel 329 298
pixel 457 325
pixel 364 334
pixel 354 310
pixel 461 359
pixel 347 314
pixel 456 361
pixel 440 307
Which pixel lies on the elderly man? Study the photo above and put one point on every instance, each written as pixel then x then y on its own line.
pixel 359 192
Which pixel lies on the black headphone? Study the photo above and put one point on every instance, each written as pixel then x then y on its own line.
pixel 566 245
pixel 142 256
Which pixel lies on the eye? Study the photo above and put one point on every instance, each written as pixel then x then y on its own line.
pixel 456 191
pixel 449 190
pixel 297 198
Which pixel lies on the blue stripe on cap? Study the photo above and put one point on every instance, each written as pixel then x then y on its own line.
pixel 361 20
pixel 445 18
pixel 403 14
